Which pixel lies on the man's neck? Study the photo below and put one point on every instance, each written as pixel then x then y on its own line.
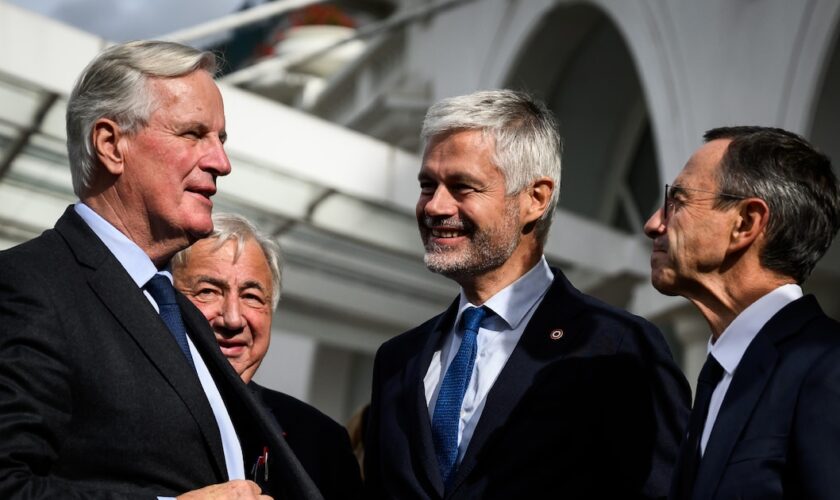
pixel 160 251
pixel 722 300
pixel 479 289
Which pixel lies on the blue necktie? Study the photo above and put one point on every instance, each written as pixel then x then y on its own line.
pixel 163 292
pixel 448 407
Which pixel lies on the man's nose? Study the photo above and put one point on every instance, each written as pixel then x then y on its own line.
pixel 441 203
pixel 232 313
pixel 655 225
pixel 214 158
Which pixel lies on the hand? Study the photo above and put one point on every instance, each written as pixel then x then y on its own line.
pixel 237 489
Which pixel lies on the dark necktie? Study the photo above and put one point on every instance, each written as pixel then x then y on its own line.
pixel 448 407
pixel 709 377
pixel 163 292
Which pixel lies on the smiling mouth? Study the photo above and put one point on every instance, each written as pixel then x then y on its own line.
pixel 446 233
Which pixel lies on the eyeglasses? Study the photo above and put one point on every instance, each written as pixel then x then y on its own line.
pixel 672 191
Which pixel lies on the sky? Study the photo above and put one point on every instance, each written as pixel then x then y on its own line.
pixel 122 20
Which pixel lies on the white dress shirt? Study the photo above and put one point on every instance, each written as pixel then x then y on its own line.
pixel 141 269
pixel 498 335
pixel 733 342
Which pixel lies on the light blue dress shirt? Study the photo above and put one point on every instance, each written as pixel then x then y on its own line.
pixel 513 307
pixel 141 269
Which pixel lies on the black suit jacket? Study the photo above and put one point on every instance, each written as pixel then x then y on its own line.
pixel 321 444
pixel 96 399
pixel 595 413
pixel 777 434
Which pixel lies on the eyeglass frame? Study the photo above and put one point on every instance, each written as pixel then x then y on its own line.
pixel 668 188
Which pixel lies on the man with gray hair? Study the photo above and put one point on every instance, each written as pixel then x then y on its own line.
pixel 233 276
pixel 525 387
pixel 112 384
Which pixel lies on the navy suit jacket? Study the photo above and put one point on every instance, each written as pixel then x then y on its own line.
pixel 321 444
pixel 596 413
pixel 777 434
pixel 96 398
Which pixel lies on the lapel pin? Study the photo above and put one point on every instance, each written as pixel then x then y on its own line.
pixel 556 334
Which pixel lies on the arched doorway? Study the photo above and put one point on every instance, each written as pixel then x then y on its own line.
pixel 578 62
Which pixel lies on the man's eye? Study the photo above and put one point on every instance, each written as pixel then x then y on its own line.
pixel 254 299
pixel 427 187
pixel 206 294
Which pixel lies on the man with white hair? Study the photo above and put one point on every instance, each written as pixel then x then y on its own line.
pixel 524 387
pixel 234 277
pixel 111 385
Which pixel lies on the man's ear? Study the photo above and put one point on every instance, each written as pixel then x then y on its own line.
pixel 537 199
pixel 753 217
pixel 107 136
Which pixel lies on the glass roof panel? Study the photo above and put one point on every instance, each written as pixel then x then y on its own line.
pixel 17 102
pixel 53 123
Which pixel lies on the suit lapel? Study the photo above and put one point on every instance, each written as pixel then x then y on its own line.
pixel 535 350
pixel 748 383
pixel 257 428
pixel 130 308
pixel 118 292
pixel 416 407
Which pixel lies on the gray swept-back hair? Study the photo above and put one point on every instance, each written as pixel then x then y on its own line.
pixel 114 86
pixel 797 183
pixel 232 227
pixel 527 144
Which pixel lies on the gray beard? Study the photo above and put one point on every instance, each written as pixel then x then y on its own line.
pixel 489 250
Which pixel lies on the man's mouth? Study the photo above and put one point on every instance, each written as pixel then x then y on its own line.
pixel 232 348
pixel 446 229
pixel 446 233
pixel 205 192
pixel 660 246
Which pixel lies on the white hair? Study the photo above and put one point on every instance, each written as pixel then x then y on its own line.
pixel 527 145
pixel 232 227
pixel 114 85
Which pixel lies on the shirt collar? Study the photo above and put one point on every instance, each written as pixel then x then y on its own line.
pixel 513 302
pixel 733 342
pixel 135 261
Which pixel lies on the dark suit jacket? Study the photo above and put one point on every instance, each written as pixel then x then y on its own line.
pixel 321 444
pixel 596 413
pixel 96 399
pixel 777 434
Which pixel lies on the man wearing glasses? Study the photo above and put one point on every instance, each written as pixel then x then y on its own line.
pixel 741 228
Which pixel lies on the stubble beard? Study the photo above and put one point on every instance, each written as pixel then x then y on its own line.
pixel 488 249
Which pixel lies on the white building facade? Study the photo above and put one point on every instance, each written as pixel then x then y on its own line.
pixel 332 171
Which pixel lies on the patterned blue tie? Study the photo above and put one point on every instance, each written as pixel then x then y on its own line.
pixel 163 292
pixel 448 407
